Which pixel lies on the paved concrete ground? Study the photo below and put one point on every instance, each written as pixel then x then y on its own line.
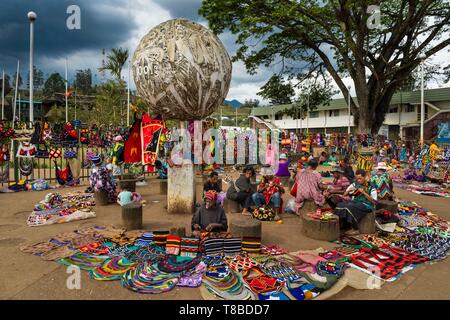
pixel 24 276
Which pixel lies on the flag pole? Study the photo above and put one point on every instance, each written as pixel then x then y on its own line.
pixel 15 93
pixel 67 104
pixel 3 95
pixel 128 101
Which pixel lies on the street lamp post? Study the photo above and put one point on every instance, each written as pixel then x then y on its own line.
pixel 32 18
pixel 67 89
pixel 422 100
pixel 349 110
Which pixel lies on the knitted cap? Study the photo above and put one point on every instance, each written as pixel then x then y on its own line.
pixel 211 195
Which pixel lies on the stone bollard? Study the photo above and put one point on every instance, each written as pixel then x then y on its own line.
pixel 101 198
pixel 132 216
pixel 367 224
pixel 245 227
pixel 231 206
pixel 163 186
pixel 128 184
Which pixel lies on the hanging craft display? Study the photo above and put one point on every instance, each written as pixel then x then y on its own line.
pixel 133 145
pixel 25 166
pixel 151 130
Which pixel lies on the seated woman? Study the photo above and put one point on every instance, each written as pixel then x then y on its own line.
pixel 269 192
pixel 100 179
pixel 382 182
pixel 213 184
pixel 364 198
pixel 209 217
pixel 283 167
pixel 334 194
pixel 309 186
pixel 333 157
pixel 241 190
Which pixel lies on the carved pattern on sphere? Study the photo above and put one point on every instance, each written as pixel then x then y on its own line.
pixel 182 70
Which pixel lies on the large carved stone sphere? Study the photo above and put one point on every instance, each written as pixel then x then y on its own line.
pixel 182 70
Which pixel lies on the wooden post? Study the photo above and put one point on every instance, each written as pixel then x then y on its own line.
pixel 245 227
pixel 132 216
pixel 101 198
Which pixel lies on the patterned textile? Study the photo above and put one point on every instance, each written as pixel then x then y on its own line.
pixel 100 179
pixel 214 246
pixel 160 237
pixel 133 149
pixel 177 264
pixel 308 188
pixel 189 247
pixel 232 246
pixel 145 239
pixel 382 182
pixel 339 185
pixel 251 245
pixel 173 245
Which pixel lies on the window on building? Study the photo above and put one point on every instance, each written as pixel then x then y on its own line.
pixel 314 114
pixel 410 108
pixel 333 113
pixel 278 117
pixel 393 109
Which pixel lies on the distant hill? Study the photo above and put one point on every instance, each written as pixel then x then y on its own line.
pixel 233 103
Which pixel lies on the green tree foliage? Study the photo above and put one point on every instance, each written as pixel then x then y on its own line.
pixel 250 103
pixel 277 91
pixel 8 87
pixel 83 82
pixel 115 62
pixel 54 84
pixel 109 102
pixel 56 114
pixel 337 38
pixel 38 78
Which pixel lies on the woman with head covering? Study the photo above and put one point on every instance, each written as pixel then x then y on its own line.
pixel 269 191
pixel 209 217
pixel 100 179
pixel 334 194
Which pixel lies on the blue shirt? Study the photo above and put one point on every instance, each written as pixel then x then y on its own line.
pixel 125 197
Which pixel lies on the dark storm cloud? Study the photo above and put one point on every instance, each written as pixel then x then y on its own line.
pixel 102 26
pixel 182 8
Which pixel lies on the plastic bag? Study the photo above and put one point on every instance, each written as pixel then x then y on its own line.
pixel 290 206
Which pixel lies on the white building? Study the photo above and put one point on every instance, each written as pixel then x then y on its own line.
pixel 402 120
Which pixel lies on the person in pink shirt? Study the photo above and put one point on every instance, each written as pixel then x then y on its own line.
pixel 309 186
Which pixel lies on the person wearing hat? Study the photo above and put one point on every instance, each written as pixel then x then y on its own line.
pixel 209 216
pixel 269 191
pixel 117 154
pixel 382 182
pixel 334 194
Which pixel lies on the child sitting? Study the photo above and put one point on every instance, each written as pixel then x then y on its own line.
pixel 126 197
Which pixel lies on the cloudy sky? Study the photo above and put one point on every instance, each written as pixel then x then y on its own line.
pixel 105 24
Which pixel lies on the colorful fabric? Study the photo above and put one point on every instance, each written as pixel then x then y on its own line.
pixel 177 264
pixel 133 148
pixel 232 246
pixel 251 245
pixel 382 183
pixel 214 246
pixel 308 181
pixel 173 244
pixel 160 237
pixel 112 269
pixel 151 130
pixel 339 185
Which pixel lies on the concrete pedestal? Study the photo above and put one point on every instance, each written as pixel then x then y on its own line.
pixel 181 189
pixel 132 216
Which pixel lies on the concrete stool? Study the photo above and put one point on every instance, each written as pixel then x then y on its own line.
pixel 231 206
pixel 101 198
pixel 388 205
pixel 308 206
pixel 128 184
pixel 132 216
pixel 163 186
pixel 367 224
pixel 245 227
pixel 327 230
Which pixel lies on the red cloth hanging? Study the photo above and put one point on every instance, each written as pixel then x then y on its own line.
pixel 133 145
pixel 151 130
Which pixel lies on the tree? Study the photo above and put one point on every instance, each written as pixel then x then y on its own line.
pixel 250 103
pixel 115 62
pixel 337 38
pixel 277 91
pixel 20 82
pixel 7 85
pixel 56 114
pixel 83 81
pixel 54 84
pixel 38 78
pixel 109 98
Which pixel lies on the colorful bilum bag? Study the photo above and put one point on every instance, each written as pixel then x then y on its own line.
pixel 261 282
pixel 55 153
pixel 265 213
pixel 42 152
pixel 70 154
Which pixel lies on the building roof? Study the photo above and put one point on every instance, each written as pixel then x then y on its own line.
pixel 432 95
